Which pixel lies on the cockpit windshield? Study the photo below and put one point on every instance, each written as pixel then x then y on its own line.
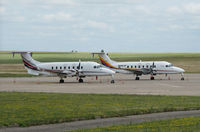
pixel 97 66
pixel 169 65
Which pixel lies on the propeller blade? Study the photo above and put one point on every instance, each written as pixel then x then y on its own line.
pixel 79 65
pixel 78 68
pixel 151 68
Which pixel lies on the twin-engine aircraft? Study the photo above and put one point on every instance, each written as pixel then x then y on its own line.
pixel 141 67
pixel 64 69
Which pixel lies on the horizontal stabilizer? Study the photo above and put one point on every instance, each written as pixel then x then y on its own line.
pixel 32 72
pixel 97 53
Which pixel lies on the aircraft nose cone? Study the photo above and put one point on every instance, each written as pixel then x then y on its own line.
pixel 180 70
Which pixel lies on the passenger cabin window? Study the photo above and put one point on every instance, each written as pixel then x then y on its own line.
pixel 143 66
pixel 147 66
pixel 73 67
pixel 68 67
pixel 77 67
pixel 131 66
pixel 64 67
pixel 138 66
pixel 135 66
pixel 56 67
pixel 81 67
pixel 60 67
pixel 95 67
pixel 127 66
pixel 52 67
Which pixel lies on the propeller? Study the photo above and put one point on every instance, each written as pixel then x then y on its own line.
pixel 152 68
pixel 78 68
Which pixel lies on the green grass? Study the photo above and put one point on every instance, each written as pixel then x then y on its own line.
pixel 85 56
pixel 188 124
pixel 25 109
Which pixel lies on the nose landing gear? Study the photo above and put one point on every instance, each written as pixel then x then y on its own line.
pixel 112 81
pixel 182 76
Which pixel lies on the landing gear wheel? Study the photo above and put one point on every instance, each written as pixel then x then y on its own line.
pixel 182 78
pixel 152 78
pixel 137 78
pixel 61 81
pixel 112 81
pixel 80 80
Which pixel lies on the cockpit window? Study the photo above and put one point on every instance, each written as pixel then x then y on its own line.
pixel 98 66
pixel 170 65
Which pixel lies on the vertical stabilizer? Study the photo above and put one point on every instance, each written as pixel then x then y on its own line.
pixel 105 60
pixel 28 61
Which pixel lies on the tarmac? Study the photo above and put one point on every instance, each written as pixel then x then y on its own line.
pixel 124 84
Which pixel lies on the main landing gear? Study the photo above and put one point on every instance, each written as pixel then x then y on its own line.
pixel 62 80
pixel 137 78
pixel 152 77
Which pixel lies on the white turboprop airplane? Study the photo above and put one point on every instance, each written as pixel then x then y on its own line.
pixel 141 67
pixel 64 69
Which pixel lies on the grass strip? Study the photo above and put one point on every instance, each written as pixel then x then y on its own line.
pixel 26 109
pixel 187 124
pixel 84 56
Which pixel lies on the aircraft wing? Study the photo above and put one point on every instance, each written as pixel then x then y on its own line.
pixel 67 72
pixel 138 71
pixel 60 72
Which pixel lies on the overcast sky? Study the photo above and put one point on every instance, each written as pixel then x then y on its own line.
pixel 92 25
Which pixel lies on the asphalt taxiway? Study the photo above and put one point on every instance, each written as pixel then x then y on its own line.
pixel 124 84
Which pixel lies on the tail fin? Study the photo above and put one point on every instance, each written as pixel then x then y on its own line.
pixel 28 61
pixel 105 60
